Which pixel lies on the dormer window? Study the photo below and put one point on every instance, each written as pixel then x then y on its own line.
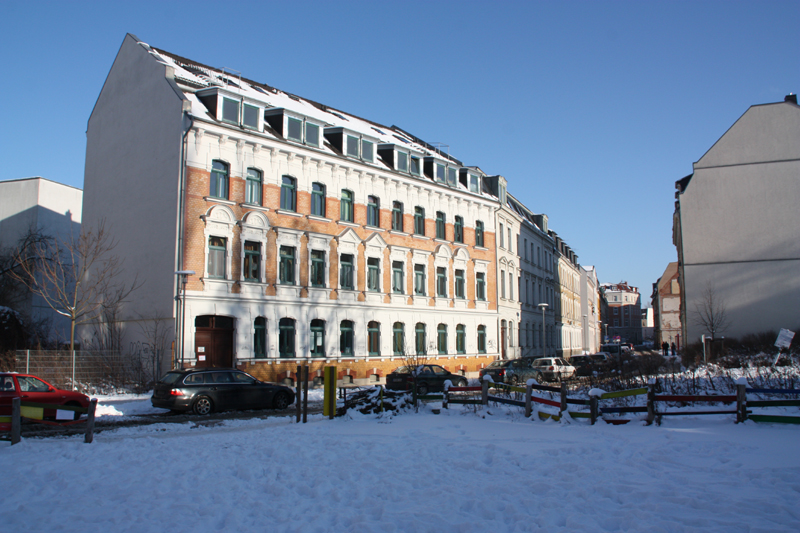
pixel 399 158
pixel 474 183
pixel 232 108
pixel 352 144
pixel 440 172
pixel 250 117
pixel 452 176
pixel 415 165
pixel 402 161
pixel 294 127
pixel 294 130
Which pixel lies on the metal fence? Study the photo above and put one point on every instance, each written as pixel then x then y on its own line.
pixel 91 372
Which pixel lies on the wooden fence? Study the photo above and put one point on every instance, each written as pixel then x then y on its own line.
pixel 35 411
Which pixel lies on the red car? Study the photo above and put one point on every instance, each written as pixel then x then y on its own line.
pixel 33 389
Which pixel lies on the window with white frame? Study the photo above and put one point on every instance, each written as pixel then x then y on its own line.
pixel 318 199
pixel 373 211
pixel 217 252
pixel 253 187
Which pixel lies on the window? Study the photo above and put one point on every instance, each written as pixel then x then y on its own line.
pixel 419 220
pixel 253 188
pixel 419 330
pixel 367 150
pixel 294 129
pixel 286 275
pixel 502 284
pixel 502 240
pixel 525 249
pixel 318 199
pixel 346 337
pixel 286 337
pixel 317 338
pixel 250 116
pixel 397 277
pixel 352 146
pixel 510 245
pixel 452 176
pixel 317 268
pixel 480 286
pixel 481 339
pixel 346 206
pixel 458 230
pixel 474 184
pixel 461 339
pixel 373 211
pixel 419 280
pixel 260 338
pixel 398 338
pixel 441 339
pixel 288 193
pixel 312 134
pixel 374 338
pixel 217 247
pixel 440 225
pixel 441 282
pixel 346 271
pixel 373 274
pixel 402 161
pixel 230 110
pixel 414 165
pixel 511 286
pixel 479 233
pixel 440 172
pixel 252 261
pixel 460 283
pixel 219 180
pixel 397 216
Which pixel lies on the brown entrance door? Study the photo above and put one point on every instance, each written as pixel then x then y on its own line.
pixel 502 339
pixel 213 341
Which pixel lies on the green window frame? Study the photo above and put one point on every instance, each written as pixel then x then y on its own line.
pixel 420 338
pixel 287 262
pixel 346 344
pixel 397 216
pixel 441 172
pixel 317 348
pixel 373 211
pixel 461 339
pixel 460 283
pixel 452 176
pixel 286 338
pixel 230 110
pixel 419 280
pixel 373 274
pixel 318 199
pixel 250 116
pixel 253 187
pixel 474 183
pixel 479 233
pixel 367 150
pixel 260 338
pixel 218 183
pixel 397 277
pixel 458 230
pixel 252 261
pixel 441 224
pixel 294 129
pixel 481 339
pixel 402 161
pixel 441 339
pixel 398 338
pixel 414 165
pixel 312 135
pixel 352 146
pixel 217 260
pixel 480 286
pixel 374 338
pixel 346 272
pixel 288 193
pixel 346 206
pixel 419 220
pixel 317 268
pixel 441 282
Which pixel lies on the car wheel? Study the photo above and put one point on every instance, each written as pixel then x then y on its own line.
pixel 203 405
pixel 422 389
pixel 515 380
pixel 461 383
pixel 280 401
pixel 539 377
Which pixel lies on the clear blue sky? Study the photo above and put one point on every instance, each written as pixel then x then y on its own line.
pixel 591 110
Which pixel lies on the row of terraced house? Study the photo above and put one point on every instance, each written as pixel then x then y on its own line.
pixel 270 229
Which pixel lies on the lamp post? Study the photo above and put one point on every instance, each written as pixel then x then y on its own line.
pixel 543 306
pixel 183 274
pixel 585 327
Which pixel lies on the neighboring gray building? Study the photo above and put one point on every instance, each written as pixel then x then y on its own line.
pixel 42 205
pixel 736 225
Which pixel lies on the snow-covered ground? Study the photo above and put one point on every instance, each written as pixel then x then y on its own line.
pixel 460 470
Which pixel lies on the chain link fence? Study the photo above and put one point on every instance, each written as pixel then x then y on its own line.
pixel 91 372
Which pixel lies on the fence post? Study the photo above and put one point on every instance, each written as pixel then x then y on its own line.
pixel 89 437
pixel 651 404
pixel 28 362
pixel 73 370
pixel 528 394
pixel 485 392
pixel 298 382
pixel 446 394
pixel 305 394
pixel 741 403
pixel 16 421
pixel 563 399
pixel 594 408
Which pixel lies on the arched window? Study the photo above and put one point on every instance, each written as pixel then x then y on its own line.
pixel 286 338
pixel 218 187
pixel 374 338
pixel 260 337
pixel 346 206
pixel 346 344
pixel 398 338
pixel 481 339
pixel 288 193
pixel 458 230
pixel 419 331
pixel 478 233
pixel 441 339
pixel 318 199
pixel 461 339
pixel 253 189
pixel 317 338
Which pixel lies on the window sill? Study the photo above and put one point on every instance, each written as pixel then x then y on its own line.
pixel 218 200
pixel 481 248
pixel 290 213
pixel 398 232
pixel 420 237
pixel 348 224
pixel 318 218
pixel 253 206
pixel 443 241
pixel 374 228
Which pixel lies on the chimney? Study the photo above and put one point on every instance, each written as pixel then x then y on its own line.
pixel 791 98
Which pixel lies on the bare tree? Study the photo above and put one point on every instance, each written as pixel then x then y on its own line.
pixel 711 311
pixel 78 279
pixel 157 332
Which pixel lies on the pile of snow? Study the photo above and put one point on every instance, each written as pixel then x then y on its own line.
pixel 462 470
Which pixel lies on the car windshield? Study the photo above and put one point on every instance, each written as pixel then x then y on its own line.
pixel 171 377
pixel 498 364
pixel 403 370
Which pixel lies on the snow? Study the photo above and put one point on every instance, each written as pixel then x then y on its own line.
pixel 466 469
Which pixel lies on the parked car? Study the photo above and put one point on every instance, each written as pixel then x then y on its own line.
pixel 588 365
pixel 429 378
pixel 203 390
pixel 507 370
pixel 34 389
pixel 551 369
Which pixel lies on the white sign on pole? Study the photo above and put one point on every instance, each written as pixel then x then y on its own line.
pixel 784 338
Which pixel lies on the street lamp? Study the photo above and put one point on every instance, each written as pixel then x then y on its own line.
pixel 543 306
pixel 182 291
